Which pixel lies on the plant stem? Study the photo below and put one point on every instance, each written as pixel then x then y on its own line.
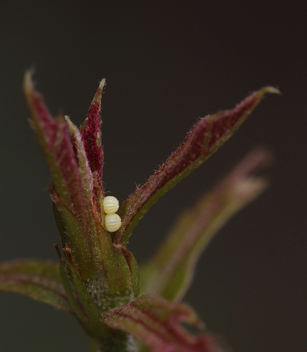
pixel 124 344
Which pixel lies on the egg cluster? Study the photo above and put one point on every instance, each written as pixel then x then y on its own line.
pixel 112 221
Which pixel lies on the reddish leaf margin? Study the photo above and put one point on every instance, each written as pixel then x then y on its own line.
pixel 37 279
pixel 53 136
pixel 169 273
pixel 201 142
pixel 157 323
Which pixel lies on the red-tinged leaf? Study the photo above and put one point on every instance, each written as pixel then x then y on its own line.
pixel 75 236
pixel 36 279
pixel 202 141
pixel 170 272
pixel 157 323
pixel 85 170
pixel 54 138
pixel 93 208
pixel 91 133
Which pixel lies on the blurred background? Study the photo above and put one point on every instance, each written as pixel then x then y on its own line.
pixel 166 63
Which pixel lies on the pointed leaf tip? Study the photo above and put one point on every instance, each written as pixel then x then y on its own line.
pixel 98 94
pixel 206 137
pixel 270 90
pixel 55 142
pixel 102 83
pixel 91 133
pixel 27 81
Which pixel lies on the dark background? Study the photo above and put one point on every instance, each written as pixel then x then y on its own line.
pixel 166 63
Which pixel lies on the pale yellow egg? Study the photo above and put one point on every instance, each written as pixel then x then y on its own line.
pixel 110 205
pixel 113 222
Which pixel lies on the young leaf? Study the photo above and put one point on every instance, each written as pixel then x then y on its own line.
pixel 84 167
pixel 75 236
pixel 89 257
pixel 36 279
pixel 157 323
pixel 91 138
pixel 84 305
pixel 202 141
pixel 91 134
pixel 170 272
pixel 54 139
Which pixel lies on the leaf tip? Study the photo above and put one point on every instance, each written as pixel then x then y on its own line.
pixel 28 85
pixel 71 126
pixel 268 90
pixel 98 94
pixel 102 84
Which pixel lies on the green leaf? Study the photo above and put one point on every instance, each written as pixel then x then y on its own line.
pixel 36 279
pixel 202 141
pixel 170 272
pixel 83 303
pixel 114 262
pixel 85 255
pixel 75 237
pixel 90 299
pixel 157 323
pixel 134 269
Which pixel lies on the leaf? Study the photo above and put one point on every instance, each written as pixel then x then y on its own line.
pixel 89 299
pixel 36 279
pixel 91 134
pixel 201 142
pixel 75 164
pixel 74 236
pixel 169 273
pixel 54 139
pixel 134 269
pixel 82 302
pixel 79 150
pixel 157 323
pixel 94 254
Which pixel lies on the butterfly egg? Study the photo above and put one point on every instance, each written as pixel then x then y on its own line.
pixel 113 222
pixel 110 205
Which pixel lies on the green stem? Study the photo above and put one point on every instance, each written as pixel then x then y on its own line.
pixel 123 344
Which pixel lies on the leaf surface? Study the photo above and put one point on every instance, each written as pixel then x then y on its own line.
pixel 91 133
pixel 202 141
pixel 157 323
pixel 170 272
pixel 39 280
pixel 55 142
